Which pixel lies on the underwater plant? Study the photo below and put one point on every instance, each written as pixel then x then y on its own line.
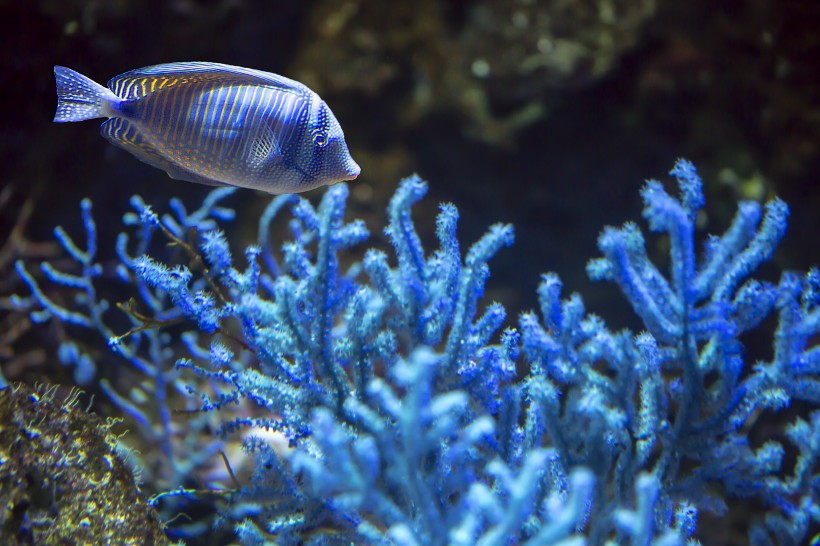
pixel 397 389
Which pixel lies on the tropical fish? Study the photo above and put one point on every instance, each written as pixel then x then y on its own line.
pixel 215 124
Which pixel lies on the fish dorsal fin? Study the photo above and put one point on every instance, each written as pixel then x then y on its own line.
pixel 143 81
pixel 125 135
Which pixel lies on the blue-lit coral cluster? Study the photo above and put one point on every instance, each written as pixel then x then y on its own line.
pixel 177 450
pixel 409 424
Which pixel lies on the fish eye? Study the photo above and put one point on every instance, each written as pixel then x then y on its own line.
pixel 320 139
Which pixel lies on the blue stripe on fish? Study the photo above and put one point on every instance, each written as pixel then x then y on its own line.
pixel 215 124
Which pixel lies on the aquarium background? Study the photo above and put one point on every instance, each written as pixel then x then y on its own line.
pixel 546 115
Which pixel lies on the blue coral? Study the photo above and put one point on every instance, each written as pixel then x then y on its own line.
pixel 397 387
pixel 148 352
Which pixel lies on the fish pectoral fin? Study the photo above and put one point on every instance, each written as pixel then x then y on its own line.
pixel 263 147
pixel 126 135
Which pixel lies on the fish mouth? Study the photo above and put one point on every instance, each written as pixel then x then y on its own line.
pixel 353 171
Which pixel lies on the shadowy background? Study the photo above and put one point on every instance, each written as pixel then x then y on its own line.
pixel 548 115
pixel 545 114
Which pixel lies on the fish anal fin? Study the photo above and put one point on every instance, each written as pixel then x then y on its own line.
pixel 179 174
pixel 126 135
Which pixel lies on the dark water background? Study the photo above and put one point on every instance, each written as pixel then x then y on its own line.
pixel 731 85
pixel 544 115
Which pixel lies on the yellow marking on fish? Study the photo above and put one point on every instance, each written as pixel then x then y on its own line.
pixel 222 110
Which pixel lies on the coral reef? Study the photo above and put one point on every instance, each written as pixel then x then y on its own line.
pixel 493 61
pixel 15 323
pixel 63 479
pixel 139 377
pixel 400 395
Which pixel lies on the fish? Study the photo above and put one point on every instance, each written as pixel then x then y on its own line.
pixel 215 124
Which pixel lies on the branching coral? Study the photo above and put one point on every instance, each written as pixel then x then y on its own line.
pixel 178 452
pixel 406 419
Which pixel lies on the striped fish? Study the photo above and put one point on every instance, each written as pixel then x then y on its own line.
pixel 215 124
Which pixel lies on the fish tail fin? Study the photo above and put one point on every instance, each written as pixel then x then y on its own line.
pixel 80 98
